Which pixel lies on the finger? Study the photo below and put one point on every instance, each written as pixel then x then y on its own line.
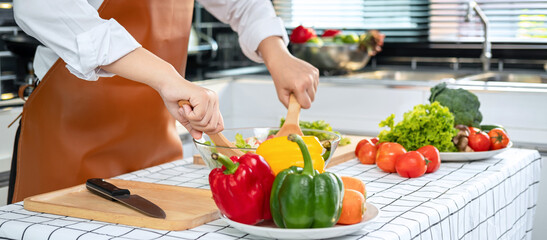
pixel 284 96
pixel 303 99
pixel 198 114
pixel 213 123
pixel 311 94
pixel 205 121
pixel 196 134
pixel 193 132
pixel 220 125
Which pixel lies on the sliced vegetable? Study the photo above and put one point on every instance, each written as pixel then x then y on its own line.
pixel 317 125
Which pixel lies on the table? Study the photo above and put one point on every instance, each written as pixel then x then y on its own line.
pixel 487 199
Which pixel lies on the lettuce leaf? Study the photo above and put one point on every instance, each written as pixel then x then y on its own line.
pixel 426 124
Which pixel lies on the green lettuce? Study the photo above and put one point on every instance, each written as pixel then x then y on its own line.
pixel 426 124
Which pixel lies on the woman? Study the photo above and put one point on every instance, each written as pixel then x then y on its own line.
pixel 133 54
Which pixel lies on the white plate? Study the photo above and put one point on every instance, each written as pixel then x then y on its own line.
pixel 471 156
pixel 268 228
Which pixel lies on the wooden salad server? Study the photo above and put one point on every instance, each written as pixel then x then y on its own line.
pixel 226 147
pixel 291 124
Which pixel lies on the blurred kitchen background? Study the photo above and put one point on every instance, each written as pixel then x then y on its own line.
pixel 426 41
pixel 420 34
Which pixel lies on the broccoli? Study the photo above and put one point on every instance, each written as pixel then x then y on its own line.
pixel 463 104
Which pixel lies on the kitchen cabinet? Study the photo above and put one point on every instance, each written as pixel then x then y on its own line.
pixel 7 135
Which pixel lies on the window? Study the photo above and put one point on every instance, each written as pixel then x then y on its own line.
pixel 400 20
pixel 512 21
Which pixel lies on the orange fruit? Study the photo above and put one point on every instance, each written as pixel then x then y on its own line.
pixel 353 207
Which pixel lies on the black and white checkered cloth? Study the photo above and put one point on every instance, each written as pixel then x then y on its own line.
pixel 488 199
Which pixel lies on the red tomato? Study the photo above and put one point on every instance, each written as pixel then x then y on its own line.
pixel 388 152
pixel 359 145
pixel 302 34
pixel 431 153
pixel 367 152
pixel 362 142
pixel 331 32
pixel 479 141
pixel 411 165
pixel 473 130
pixel 498 138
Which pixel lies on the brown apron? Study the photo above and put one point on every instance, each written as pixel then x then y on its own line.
pixel 73 129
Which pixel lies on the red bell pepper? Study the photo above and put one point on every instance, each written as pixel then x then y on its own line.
pixel 302 34
pixel 331 32
pixel 241 187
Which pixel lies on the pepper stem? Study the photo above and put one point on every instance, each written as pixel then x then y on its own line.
pixel 308 164
pixel 231 167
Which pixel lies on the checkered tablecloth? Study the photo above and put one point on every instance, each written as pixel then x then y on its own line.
pixel 488 199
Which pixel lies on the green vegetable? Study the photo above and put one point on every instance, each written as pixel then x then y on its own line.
pixel 317 125
pixel 303 198
pixel 350 38
pixel 462 103
pixel 426 124
pixel 315 40
pixel 338 39
pixel 240 142
pixel 487 128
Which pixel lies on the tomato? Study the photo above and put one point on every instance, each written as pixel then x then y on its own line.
pixel 359 145
pixel 411 165
pixel 362 142
pixel 479 141
pixel 498 138
pixel 433 157
pixel 331 32
pixel 367 152
pixel 388 152
pixel 473 130
pixel 302 34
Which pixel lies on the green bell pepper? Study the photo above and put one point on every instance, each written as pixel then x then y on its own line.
pixel 303 198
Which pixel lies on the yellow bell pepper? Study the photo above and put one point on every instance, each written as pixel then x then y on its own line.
pixel 280 153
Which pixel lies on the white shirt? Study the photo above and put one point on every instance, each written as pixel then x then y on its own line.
pixel 73 31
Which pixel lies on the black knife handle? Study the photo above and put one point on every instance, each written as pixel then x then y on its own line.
pixel 98 184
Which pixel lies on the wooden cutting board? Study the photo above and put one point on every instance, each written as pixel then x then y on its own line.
pixel 341 154
pixel 184 207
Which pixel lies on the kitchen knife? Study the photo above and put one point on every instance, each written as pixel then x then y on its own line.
pixel 109 191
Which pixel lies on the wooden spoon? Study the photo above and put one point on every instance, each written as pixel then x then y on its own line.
pixel 292 121
pixel 225 146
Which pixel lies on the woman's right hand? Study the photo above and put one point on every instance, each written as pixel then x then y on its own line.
pixel 202 116
pixel 143 66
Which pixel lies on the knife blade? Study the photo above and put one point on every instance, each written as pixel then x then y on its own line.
pixel 110 191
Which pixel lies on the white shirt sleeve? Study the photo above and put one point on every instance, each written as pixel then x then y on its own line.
pixel 253 20
pixel 73 30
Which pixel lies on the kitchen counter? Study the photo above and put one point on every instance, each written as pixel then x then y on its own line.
pixel 493 198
